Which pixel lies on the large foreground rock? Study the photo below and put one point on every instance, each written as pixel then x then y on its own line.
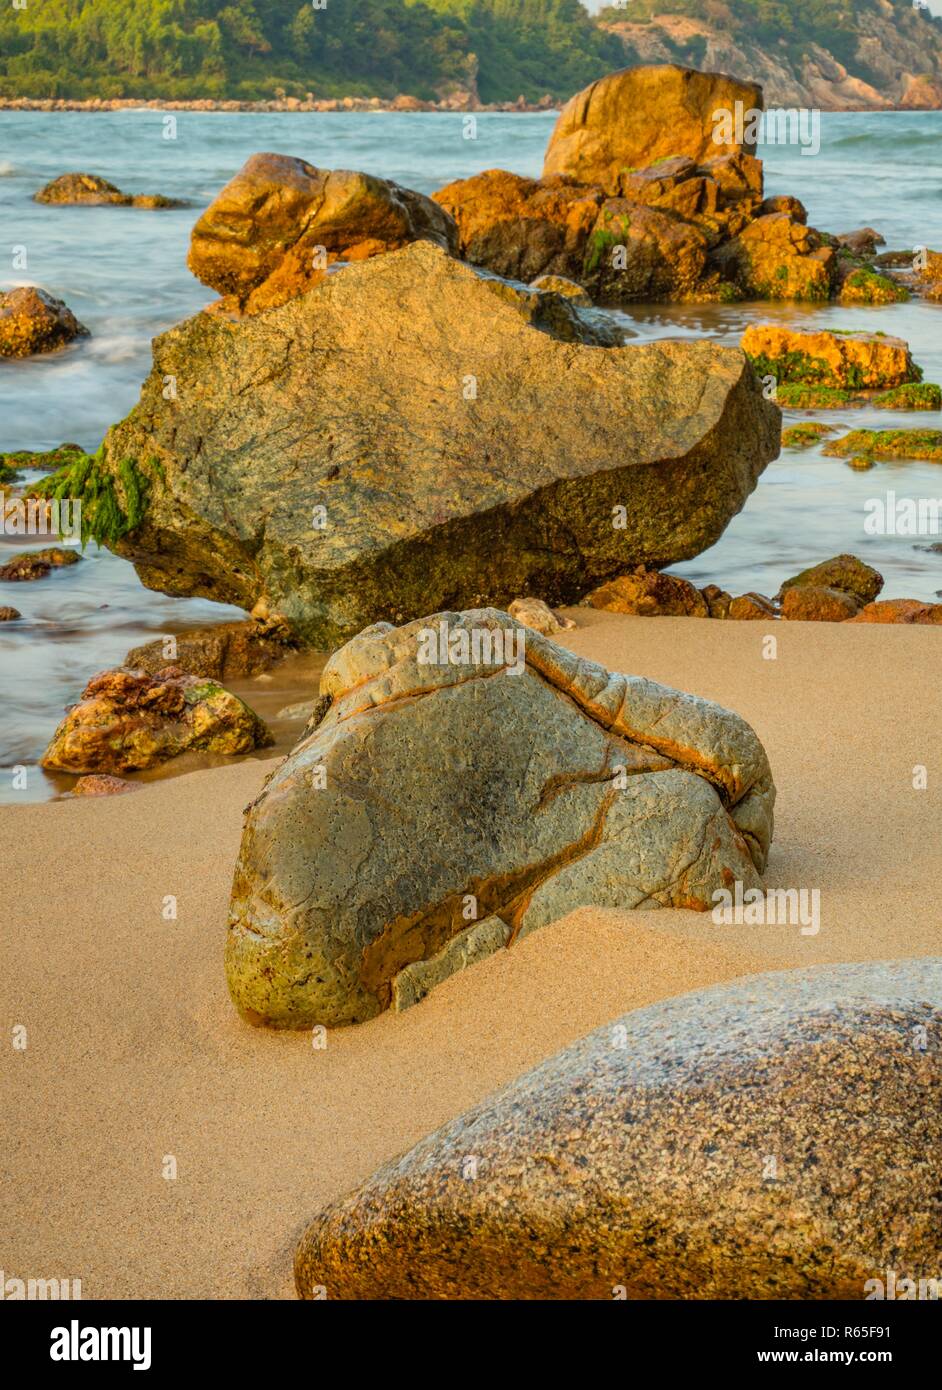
pixel 273 230
pixel 771 1138
pixel 630 119
pixel 403 438
pixel 469 768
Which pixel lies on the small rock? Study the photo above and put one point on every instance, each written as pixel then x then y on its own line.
pixel 32 321
pixel 128 720
pixel 752 607
pixel 558 284
pixel 844 572
pixel 857 361
pixel 36 564
pixel 806 434
pixel 813 603
pixel 97 785
pixel 9 615
pixel 862 242
pixel 91 190
pixel 901 610
pixel 302 710
pixel 650 593
pixel 535 614
pixel 717 601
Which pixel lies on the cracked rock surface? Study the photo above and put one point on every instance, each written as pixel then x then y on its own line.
pixel 513 775
pixel 775 1137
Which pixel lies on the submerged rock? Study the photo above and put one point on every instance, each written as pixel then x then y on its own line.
pixel 276 227
pixel 770 1138
pixel 128 720
pixel 633 118
pixel 805 435
pixel 888 444
pixel 225 652
pixel 402 439
pixel 32 321
pixel 36 564
pixel 9 615
pixel 93 191
pixel 516 780
pixel 855 361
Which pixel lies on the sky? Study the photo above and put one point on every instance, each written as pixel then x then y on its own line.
pixel 595 5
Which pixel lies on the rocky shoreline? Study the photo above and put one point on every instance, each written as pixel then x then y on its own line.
pixel 462 101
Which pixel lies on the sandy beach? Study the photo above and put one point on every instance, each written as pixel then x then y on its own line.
pixel 135 1052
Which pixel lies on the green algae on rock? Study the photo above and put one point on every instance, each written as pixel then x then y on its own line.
pixel 770 1138
pixel 402 438
pixel 888 444
pixel 844 360
pixel 845 573
pixel 793 395
pixel 127 721
pixel 527 781
pixel 803 436
pixel 44 461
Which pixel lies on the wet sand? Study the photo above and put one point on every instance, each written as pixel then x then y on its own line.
pixel 135 1053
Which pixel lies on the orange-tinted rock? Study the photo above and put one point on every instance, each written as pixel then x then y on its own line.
pixel 226 652
pixel 845 573
pixel 630 119
pixel 128 720
pixel 900 610
pixel 784 202
pixel 650 593
pixel 751 608
pixel 814 603
pixel 860 361
pixel 776 257
pixel 32 321
pixel 637 252
pixel 522 228
pixel 273 230
pixel 91 190
pixel 9 615
pixel 717 600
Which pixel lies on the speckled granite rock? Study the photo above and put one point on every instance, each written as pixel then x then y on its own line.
pixel 412 435
pixel 512 776
pixel 775 1137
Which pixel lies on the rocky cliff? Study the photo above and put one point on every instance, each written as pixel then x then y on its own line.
pixel 878 54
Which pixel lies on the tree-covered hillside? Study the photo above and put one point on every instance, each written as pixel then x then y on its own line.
pixel 249 48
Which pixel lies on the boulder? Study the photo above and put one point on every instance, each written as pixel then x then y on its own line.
pixel 649 593
pixel 520 227
pixel 468 768
pixel 403 438
pixel 630 119
pixel 273 230
pixel 855 361
pixel 845 573
pixel 128 720
pixel 769 1138
pixel 32 321
pixel 816 603
pixel 777 257
pixel 36 564
pixel 91 190
pixel 901 610
pixel 229 651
